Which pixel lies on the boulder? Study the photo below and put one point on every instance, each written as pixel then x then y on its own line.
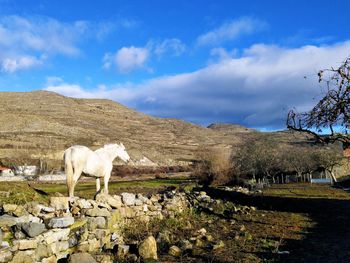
pixel 59 202
pixel 24 244
pixel 148 248
pixel 111 201
pixel 42 251
pixel 95 212
pixel 96 222
pixel 61 222
pixel 33 229
pixel 23 257
pixel 7 220
pixel 128 199
pixel 56 235
pixel 81 258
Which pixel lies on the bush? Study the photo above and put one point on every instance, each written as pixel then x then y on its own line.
pixel 214 167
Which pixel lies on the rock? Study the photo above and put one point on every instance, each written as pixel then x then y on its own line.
pixel 24 244
pixel 148 248
pixel 52 259
pixel 83 204
pixel 138 202
pixel 128 199
pixel 9 208
pixel 96 222
pixel 5 256
pixel 20 235
pixel 81 258
pixel 5 244
pixel 7 220
pixel 105 198
pixel 33 229
pixel 61 222
pixel 174 251
pixel 98 212
pixel 59 202
pixel 46 209
pixel 56 235
pixel 57 247
pixel 42 251
pixel 1 235
pixel 28 218
pixel 23 257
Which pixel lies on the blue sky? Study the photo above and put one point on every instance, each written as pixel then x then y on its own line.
pixel 239 62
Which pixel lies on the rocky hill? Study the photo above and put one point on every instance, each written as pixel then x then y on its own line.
pixel 45 123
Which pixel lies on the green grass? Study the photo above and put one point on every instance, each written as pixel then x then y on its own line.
pixel 22 192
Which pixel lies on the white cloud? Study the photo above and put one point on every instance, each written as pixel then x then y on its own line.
pixel 173 46
pixel 128 59
pixel 255 89
pixel 131 58
pixel 10 65
pixel 231 30
pixel 26 42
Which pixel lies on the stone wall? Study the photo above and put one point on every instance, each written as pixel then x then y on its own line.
pixel 47 233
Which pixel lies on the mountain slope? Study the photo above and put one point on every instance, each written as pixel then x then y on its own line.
pixel 42 122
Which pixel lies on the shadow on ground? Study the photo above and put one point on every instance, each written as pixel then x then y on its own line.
pixel 327 241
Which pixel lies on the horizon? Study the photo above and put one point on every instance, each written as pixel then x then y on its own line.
pixel 204 63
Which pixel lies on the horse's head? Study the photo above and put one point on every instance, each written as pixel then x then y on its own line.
pixel 119 151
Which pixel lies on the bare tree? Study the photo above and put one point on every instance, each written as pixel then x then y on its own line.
pixel 328 159
pixel 333 110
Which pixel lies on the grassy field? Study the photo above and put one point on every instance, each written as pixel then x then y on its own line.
pixel 22 192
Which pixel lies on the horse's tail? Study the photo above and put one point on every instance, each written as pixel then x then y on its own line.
pixel 69 171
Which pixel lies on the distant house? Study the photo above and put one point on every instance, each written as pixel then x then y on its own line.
pixel 5 171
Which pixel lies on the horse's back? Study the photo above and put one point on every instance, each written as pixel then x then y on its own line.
pixel 76 153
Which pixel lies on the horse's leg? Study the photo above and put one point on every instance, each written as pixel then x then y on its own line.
pixel 76 176
pixel 105 182
pixel 98 185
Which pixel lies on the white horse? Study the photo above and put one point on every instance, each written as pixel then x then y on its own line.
pixel 97 164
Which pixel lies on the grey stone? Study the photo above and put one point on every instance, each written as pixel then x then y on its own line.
pixel 84 204
pixel 98 212
pixel 111 201
pixel 55 235
pixel 61 222
pixel 33 229
pixel 28 218
pixel 81 258
pixel 1 235
pixel 59 203
pixel 128 199
pixel 7 220
pixel 148 248
pixel 96 222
